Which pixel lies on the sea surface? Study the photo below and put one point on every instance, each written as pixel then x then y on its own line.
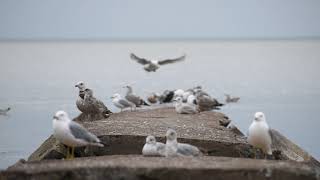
pixel 278 77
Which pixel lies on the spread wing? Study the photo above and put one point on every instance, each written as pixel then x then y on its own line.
pixel 169 61
pixel 138 59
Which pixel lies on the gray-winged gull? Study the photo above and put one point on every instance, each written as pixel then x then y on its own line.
pixel 80 100
pixel 184 108
pixel 134 98
pixel 72 134
pixel 93 105
pixel 230 99
pixel 259 134
pixel 5 111
pixel 173 148
pixel 153 65
pixel 153 148
pixel 206 102
pixel 121 103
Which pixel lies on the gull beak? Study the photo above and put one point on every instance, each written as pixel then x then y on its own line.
pixel 256 119
pixel 76 85
pixel 55 117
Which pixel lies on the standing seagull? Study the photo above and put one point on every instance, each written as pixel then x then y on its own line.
pixel 80 101
pixel 153 148
pixel 4 111
pixel 72 134
pixel 184 108
pixel 153 65
pixel 121 103
pixel 173 148
pixel 259 134
pixel 93 105
pixel 134 98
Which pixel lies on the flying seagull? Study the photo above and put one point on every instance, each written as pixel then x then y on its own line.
pixel 153 65
pixel 72 134
pixel 173 148
pixel 4 111
pixel 153 148
pixel 259 134
pixel 121 103
pixel 134 98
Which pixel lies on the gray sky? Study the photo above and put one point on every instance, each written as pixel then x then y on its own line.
pixel 104 19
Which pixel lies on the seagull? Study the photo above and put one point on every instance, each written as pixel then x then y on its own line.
pixel 153 148
pixel 192 99
pixel 173 148
pixel 4 111
pixel 121 103
pixel 134 98
pixel 153 98
pixel 259 134
pixel 153 65
pixel 166 96
pixel 93 105
pixel 184 108
pixel 206 103
pixel 72 134
pixel 80 101
pixel 230 99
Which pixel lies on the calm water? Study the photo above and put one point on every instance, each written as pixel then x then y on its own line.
pixel 280 78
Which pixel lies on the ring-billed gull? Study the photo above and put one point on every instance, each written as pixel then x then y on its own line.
pixel 173 148
pixel 95 106
pixel 4 111
pixel 72 134
pixel 80 100
pixel 184 108
pixel 121 103
pixel 134 98
pixel 230 99
pixel 259 134
pixel 153 65
pixel 153 148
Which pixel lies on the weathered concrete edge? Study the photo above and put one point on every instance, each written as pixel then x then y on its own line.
pixel 161 168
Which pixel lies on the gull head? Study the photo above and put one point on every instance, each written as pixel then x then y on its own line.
pixel 80 85
pixel 171 135
pixel 116 96
pixel 259 117
pixel 151 140
pixel 61 116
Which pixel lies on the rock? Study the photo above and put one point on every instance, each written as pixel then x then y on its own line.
pixel 125 132
pixel 134 167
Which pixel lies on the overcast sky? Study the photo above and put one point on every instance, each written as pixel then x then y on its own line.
pixel 105 19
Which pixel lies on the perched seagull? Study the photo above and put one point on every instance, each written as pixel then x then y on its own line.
pixel 121 103
pixel 173 148
pixel 230 99
pixel 184 108
pixel 259 134
pixel 72 134
pixel 93 105
pixel 192 99
pixel 4 111
pixel 153 148
pixel 166 96
pixel 134 98
pixel 178 93
pixel 152 65
pixel 206 103
pixel 80 101
pixel 153 98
